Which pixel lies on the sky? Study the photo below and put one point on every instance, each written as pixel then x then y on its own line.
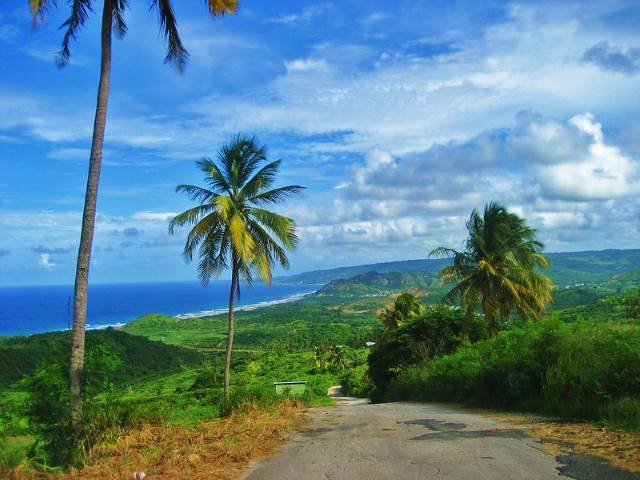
pixel 399 118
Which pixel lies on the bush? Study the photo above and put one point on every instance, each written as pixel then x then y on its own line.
pixel 355 382
pixel 243 398
pixel 105 413
pixel 598 363
pixel 585 370
pixel 623 413
pixel 48 411
pixel 437 331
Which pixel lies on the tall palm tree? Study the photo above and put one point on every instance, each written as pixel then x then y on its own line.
pixel 112 20
pixel 497 269
pixel 230 230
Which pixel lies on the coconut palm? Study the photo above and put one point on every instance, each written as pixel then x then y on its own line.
pixel 112 20
pixel 230 230
pixel 337 358
pixel 320 354
pixel 497 269
pixel 405 307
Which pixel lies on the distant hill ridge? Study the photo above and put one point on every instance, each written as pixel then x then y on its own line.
pixel 588 267
pixel 376 284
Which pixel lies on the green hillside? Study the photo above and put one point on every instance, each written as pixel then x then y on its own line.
pixel 141 357
pixel 376 284
pixel 425 266
pixel 567 268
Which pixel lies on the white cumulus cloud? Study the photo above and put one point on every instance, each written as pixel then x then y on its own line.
pixel 45 261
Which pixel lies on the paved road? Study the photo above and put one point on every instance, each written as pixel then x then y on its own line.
pixel 399 441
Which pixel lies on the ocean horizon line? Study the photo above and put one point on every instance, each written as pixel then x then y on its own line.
pixel 188 315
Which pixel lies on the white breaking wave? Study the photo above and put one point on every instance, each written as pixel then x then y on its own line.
pixel 103 326
pixel 218 311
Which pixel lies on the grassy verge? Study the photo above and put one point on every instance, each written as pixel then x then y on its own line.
pixel 211 449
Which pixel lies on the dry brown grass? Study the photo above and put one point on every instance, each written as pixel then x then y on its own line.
pixel 620 448
pixel 218 449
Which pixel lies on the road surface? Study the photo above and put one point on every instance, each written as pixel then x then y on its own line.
pixel 405 441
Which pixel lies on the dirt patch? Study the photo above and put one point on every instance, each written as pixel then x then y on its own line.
pixel 621 449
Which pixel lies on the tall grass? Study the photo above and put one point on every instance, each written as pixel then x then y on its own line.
pixel 584 370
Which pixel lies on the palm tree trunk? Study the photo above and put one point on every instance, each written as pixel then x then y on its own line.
pixel 232 298
pixel 88 222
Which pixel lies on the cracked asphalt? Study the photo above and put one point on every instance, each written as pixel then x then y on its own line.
pixel 356 440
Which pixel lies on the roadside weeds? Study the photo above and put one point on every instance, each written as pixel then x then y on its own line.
pixel 215 449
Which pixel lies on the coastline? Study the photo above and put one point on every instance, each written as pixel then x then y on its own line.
pixel 244 308
pixel 182 316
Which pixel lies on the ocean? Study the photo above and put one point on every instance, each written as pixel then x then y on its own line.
pixel 28 310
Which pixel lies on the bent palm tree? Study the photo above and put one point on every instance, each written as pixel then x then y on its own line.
pixel 230 230
pixel 112 19
pixel 497 269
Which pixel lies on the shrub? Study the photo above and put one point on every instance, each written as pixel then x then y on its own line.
pixel 242 398
pixel 105 412
pixel 598 363
pixel 586 370
pixel 437 331
pixel 355 382
pixel 623 413
pixel 48 412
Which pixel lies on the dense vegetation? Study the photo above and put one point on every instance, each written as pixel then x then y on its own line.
pixel 146 375
pixel 578 361
pixel 289 327
pixel 376 284
pixel 140 357
pixel 587 370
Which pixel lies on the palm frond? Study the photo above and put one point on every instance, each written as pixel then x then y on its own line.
pixel 209 227
pixel 119 25
pixel 261 263
pixel 213 176
pixel 282 227
pixel 190 216
pixel 222 7
pixel 275 195
pixel 80 10
pixel 176 55
pixel 239 158
pixel 243 244
pixel 196 193
pixel 213 257
pixel 264 241
pixel 39 10
pixel 262 179
pixel 225 207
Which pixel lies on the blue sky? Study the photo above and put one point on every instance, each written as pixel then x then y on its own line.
pixel 398 121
